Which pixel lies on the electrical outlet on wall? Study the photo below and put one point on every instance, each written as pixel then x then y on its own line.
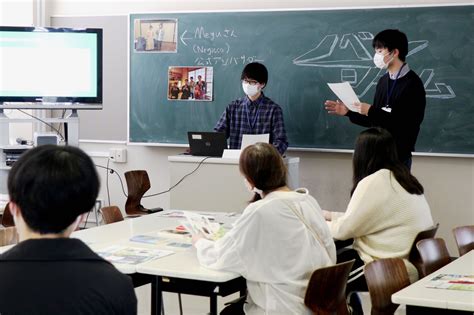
pixel 118 155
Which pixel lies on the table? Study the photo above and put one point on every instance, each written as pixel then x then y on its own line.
pixel 178 273
pixel 422 300
pixel 216 185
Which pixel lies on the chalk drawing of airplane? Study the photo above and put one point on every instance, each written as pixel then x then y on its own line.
pixel 350 54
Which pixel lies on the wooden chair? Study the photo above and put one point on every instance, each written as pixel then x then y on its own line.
pixel 138 184
pixel 8 236
pixel 326 292
pixel 111 214
pixel 7 217
pixel 464 236
pixel 434 254
pixel 414 256
pixel 385 277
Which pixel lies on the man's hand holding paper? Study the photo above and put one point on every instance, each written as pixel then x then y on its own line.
pixel 348 97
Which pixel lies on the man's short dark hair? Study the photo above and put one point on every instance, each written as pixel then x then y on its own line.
pixel 53 185
pixel 392 39
pixel 255 71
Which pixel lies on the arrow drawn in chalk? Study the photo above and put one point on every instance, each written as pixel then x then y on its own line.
pixel 182 38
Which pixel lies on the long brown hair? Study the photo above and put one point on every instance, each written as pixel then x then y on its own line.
pixel 374 150
pixel 262 165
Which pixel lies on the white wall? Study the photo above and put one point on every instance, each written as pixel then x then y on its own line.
pixel 448 182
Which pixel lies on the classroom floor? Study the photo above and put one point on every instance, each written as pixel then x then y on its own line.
pixel 194 305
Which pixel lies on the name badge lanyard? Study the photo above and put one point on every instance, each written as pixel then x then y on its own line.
pixel 252 124
pixel 390 89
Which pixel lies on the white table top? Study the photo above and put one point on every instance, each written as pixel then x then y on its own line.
pixel 182 264
pixel 418 294
pixel 183 158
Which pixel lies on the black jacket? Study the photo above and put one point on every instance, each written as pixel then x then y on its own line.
pixel 407 104
pixel 62 276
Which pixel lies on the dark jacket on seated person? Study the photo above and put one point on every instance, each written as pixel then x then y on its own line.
pixel 62 276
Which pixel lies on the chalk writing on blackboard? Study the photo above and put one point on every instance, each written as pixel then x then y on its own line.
pixel 214 47
pixel 351 54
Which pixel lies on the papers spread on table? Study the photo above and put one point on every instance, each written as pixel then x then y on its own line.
pixel 452 282
pixel 171 241
pixel 200 224
pixel 346 94
pixel 131 255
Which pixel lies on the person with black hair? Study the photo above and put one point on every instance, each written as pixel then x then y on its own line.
pixel 51 188
pixel 255 113
pixel 386 211
pixel 400 98
pixel 277 242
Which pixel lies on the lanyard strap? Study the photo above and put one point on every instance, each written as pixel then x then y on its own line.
pixel 391 88
pixel 252 125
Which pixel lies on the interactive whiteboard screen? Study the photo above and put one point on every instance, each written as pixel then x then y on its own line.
pixel 50 65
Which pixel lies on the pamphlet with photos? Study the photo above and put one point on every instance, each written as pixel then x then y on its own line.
pixel 131 255
pixel 200 224
pixel 452 282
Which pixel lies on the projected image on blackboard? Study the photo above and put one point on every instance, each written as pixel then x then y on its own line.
pixel 351 53
pixel 158 35
pixel 190 83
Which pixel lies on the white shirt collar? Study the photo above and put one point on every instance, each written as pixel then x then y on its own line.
pixel 403 72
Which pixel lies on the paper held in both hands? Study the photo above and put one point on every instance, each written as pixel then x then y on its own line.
pixel 346 94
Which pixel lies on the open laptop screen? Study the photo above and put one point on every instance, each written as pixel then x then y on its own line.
pixel 207 143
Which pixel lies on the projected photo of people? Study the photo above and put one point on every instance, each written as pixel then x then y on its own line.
pixel 190 83
pixel 156 35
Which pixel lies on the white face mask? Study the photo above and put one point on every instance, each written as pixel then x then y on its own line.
pixel 250 90
pixel 379 62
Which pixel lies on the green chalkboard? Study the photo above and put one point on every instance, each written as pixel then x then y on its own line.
pixel 303 50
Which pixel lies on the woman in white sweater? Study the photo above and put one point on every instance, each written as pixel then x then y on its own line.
pixel 386 211
pixel 279 240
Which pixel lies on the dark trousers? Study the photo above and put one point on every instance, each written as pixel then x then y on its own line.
pixel 356 281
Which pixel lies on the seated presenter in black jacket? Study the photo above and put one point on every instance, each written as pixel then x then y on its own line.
pixel 51 188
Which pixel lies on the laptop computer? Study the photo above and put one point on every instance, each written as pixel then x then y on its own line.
pixel 207 143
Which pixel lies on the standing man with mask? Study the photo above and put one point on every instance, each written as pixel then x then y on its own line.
pixel 255 113
pixel 400 98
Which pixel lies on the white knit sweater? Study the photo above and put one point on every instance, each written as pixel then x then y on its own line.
pixel 383 218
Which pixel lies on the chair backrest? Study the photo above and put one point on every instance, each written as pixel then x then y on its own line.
pixel 8 236
pixel 464 236
pixel 385 277
pixel 138 184
pixel 434 254
pixel 326 292
pixel 7 217
pixel 414 256
pixel 111 214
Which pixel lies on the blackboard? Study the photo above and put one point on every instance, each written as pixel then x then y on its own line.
pixel 303 50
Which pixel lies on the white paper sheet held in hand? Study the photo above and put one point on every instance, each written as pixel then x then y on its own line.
pixel 346 94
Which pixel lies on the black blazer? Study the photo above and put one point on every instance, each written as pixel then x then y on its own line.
pixel 62 276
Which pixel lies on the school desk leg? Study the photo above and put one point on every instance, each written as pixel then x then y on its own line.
pixel 157 306
pixel 213 304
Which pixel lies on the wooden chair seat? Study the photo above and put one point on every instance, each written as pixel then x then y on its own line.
pixel 414 256
pixel 385 277
pixel 326 292
pixel 111 214
pixel 8 236
pixel 434 254
pixel 464 236
pixel 138 184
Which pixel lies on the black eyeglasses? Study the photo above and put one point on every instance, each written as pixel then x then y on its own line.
pixel 250 81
